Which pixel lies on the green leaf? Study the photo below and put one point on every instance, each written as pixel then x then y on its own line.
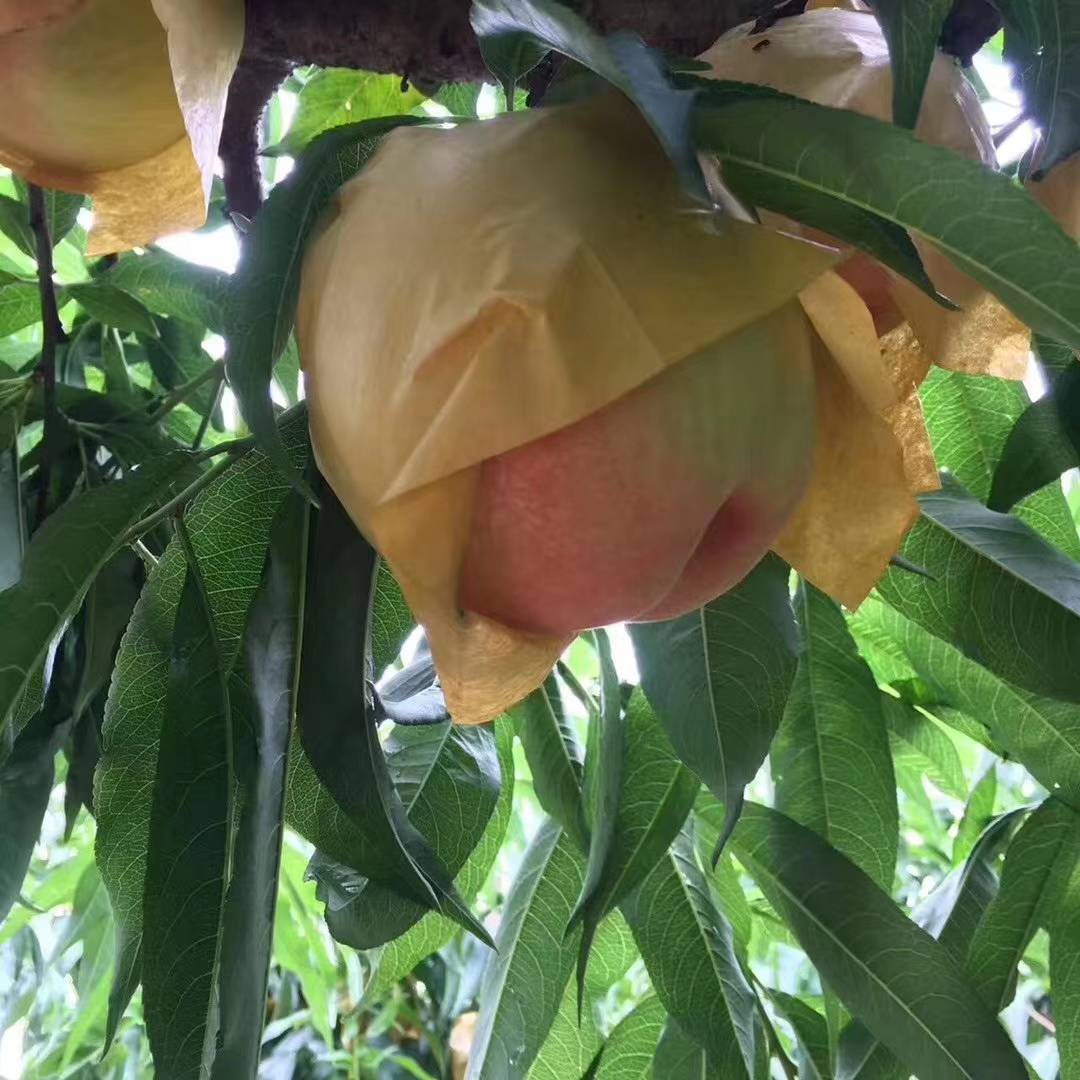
pixel 448 779
pixel 977 813
pixel 830 759
pixel 61 209
pixel 554 756
pixel 191 825
pixel 912 30
pixel 336 96
pixel 229 525
pixel 994 581
pixel 631 1046
pixel 1043 443
pixel 573 1042
pixel 1041 732
pixel 1042 41
pixel 527 974
pixel 891 974
pixel 515 35
pixel 11 522
pixel 811 1034
pixel 982 221
pixel 171 286
pixel 397 958
pixel 971 420
pixel 20 303
pixel 919 742
pixel 657 795
pixel 262 301
pixel 1010 922
pixel 113 307
pixel 15 225
pixel 1064 930
pixel 721 704
pixel 679 1057
pixel 261 695
pixel 26 780
pixel 602 790
pixel 61 562
pixel 337 725
pixel 726 884
pixel 687 948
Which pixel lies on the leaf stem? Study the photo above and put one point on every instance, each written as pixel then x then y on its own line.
pixel 205 422
pixel 179 501
pixel 182 393
pixel 53 336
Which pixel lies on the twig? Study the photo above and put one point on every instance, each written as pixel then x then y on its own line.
pixel 179 395
pixel 205 422
pixel 52 337
pixel 1006 130
pixel 177 502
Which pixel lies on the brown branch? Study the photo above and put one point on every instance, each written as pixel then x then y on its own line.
pixel 52 337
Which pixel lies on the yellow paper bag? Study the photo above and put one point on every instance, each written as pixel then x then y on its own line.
pixel 122 100
pixel 481 288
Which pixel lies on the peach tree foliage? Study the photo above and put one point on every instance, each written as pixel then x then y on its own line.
pixel 768 836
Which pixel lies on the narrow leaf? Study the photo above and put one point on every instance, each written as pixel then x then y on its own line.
pixel 719 679
pixel 554 755
pixel 983 222
pixel 1010 922
pixel 336 722
pixel 190 847
pixel 527 974
pixel 515 35
pixel 172 286
pixel 831 762
pixel 995 582
pixel 687 948
pixel 912 31
pixel 261 694
pixel 891 974
pixel 61 562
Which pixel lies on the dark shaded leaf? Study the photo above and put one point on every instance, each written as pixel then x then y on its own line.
pixel 261 693
pixel 830 759
pixel 336 722
pixel 1043 444
pixel 26 779
pixel 448 778
pixel 1042 40
pixel 790 154
pixel 433 931
pixel 912 30
pixel 687 948
pixel 971 419
pixel 515 35
pixel 262 301
pixel 554 756
pixel 15 225
pixel 1010 921
pixel 1063 925
pixel 997 586
pixel 658 793
pixel 602 791
pixel 882 966
pixel 229 525
pixel 190 845
pixel 113 307
pixel 811 1033
pixel 679 1057
pixel 719 678
pixel 62 560
pixel 61 209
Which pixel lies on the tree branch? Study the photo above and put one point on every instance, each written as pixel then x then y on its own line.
pixel 52 337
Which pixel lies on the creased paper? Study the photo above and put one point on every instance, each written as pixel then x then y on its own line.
pixel 122 100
